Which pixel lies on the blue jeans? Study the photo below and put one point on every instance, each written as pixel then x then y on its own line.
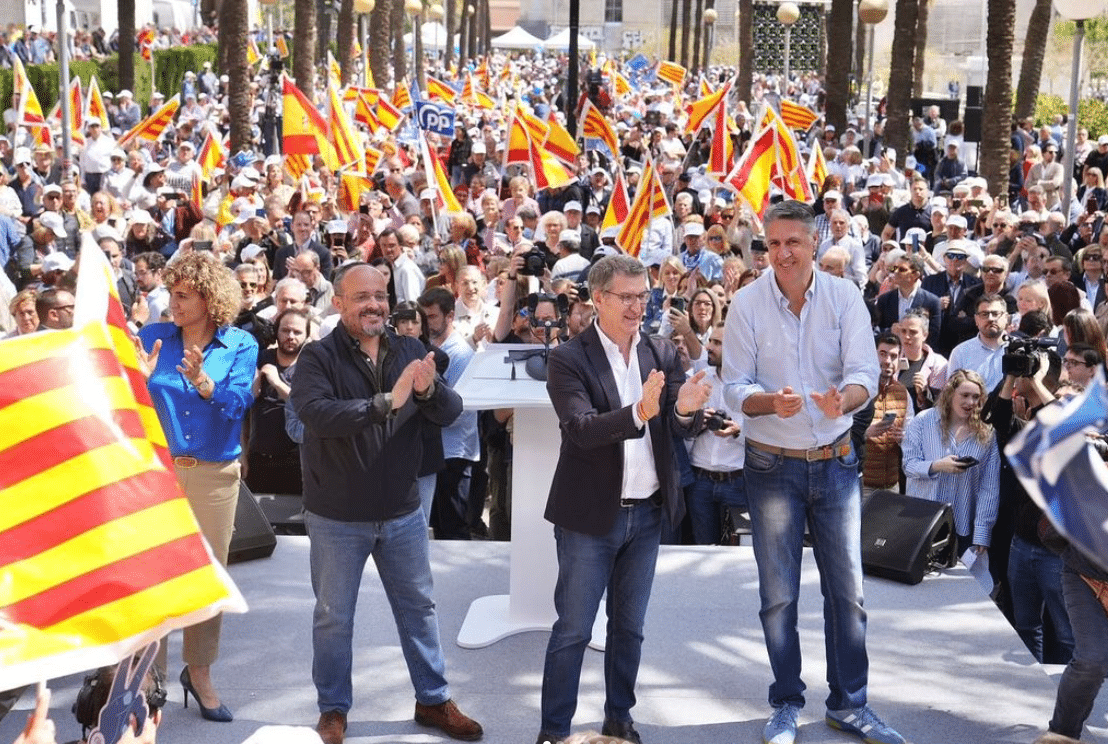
pixel 705 498
pixel 426 485
pixel 785 493
pixel 339 551
pixel 622 562
pixel 1086 671
pixel 1035 583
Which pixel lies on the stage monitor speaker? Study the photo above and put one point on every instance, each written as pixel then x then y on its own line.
pixel 974 96
pixel 253 538
pixel 904 537
pixel 284 512
pixel 973 125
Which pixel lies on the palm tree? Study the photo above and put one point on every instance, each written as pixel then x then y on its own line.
pixel 380 32
pixel 840 25
pixel 997 125
pixel 323 38
pixel 921 47
pixel 672 56
pixel 900 79
pixel 698 25
pixel 686 11
pixel 399 57
pixel 233 29
pixel 1034 50
pixel 745 34
pixel 126 21
pixel 345 41
pixel 451 28
pixel 304 30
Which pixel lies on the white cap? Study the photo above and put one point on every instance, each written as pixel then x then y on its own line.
pixel 912 234
pixel 273 160
pixel 478 147
pixel 56 261
pixel 141 217
pixel 126 93
pixel 51 188
pixel 252 251
pixel 336 227
pixel 957 220
pixel 693 228
pixel 52 221
pixel 428 194
pixel 243 215
pixel 572 206
pixel 1102 140
pixel 22 155
pixel 240 182
pixel 833 194
pixel 592 209
pixel 251 172
pixel 874 180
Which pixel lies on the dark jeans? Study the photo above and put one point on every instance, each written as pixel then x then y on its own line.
pixel 1086 671
pixel 1035 579
pixel 705 500
pixel 450 509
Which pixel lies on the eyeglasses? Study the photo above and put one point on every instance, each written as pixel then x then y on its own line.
pixel 902 269
pixel 248 285
pixel 379 297
pixel 1071 363
pixel 993 269
pixel 1092 257
pixel 629 299
pixel 991 314
pixel 68 308
pixel 1054 272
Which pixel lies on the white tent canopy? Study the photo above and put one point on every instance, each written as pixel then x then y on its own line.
pixel 560 40
pixel 517 38
pixel 433 35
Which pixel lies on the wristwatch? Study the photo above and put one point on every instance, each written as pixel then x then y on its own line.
pixel 204 386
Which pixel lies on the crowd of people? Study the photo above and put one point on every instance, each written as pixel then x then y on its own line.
pixel 892 335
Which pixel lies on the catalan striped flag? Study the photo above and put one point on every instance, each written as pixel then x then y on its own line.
pixel 30 110
pixel 372 158
pixel 546 171
pixel 519 142
pixel 594 125
pixel 620 84
pixel 559 142
pixel 750 178
pixel 473 97
pixel 351 188
pixel 150 128
pixel 649 203
pixel 303 126
pixel 671 72
pixel 363 112
pixel 817 166
pixel 334 72
pixel 146 43
pixel 94 105
pixel 536 127
pixel 401 96
pixel 721 157
pixel 347 142
pixel 438 89
pixel 789 173
pixel 99 549
pixel 701 111
pixel 438 179
pixel 618 205
pixel 297 165
pixel 796 116
pixel 211 155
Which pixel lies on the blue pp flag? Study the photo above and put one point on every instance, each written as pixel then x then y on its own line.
pixel 639 62
pixel 1063 473
pixel 432 117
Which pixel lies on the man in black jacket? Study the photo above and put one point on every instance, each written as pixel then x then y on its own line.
pixel 365 397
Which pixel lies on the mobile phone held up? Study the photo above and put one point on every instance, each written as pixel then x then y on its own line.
pixel 966 461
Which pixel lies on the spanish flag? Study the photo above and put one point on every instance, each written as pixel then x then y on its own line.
pixel 438 89
pixel 519 142
pixel 618 206
pixel 304 127
pixel 94 107
pixel 150 128
pixel 363 113
pixel 559 143
pixel 671 72
pixel 100 552
pixel 211 155
pixel 30 110
pixel 388 116
pixel 750 178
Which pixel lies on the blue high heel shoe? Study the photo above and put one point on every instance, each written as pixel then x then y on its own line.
pixel 221 714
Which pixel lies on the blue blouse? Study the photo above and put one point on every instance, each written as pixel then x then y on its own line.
pixel 208 430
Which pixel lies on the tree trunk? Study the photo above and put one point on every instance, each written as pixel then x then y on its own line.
pixel 304 28
pixel 399 52
pixel 698 29
pixel 463 34
pixel 997 125
pixel 686 11
pixel 451 28
pixel 672 56
pixel 746 49
pixel 859 61
pixel 345 41
pixel 380 32
pixel 233 28
pixel 922 14
pixel 897 132
pixel 323 36
pixel 1034 50
pixel 840 25
pixel 417 40
pixel 126 21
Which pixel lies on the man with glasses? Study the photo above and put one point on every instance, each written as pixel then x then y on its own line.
pixel 148 276
pixel 983 352
pixel 122 269
pixel 1091 279
pixel 620 396
pixel 55 309
pixel 25 185
pixel 1080 364
pixel 949 286
pixel 893 305
pixel 994 281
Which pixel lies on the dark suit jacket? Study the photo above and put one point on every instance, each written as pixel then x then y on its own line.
pixel 961 317
pixel 938 285
pixel 289 251
pixel 888 306
pixel 585 493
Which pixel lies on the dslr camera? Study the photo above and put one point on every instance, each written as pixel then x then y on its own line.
pixel 1022 358
pixel 534 262
pixel 717 420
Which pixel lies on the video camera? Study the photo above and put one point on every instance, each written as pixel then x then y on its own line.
pixel 1021 359
pixel 534 262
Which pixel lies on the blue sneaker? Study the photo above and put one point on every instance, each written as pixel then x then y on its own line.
pixel 864 723
pixel 781 727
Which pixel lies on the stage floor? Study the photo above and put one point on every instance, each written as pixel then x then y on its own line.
pixel 945 667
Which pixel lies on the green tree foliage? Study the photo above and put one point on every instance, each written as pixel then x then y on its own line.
pixel 1092 113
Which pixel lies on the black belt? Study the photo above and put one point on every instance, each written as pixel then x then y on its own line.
pixel 718 477
pixel 655 499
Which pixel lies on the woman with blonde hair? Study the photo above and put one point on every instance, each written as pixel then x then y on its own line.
pixel 950 455
pixel 1031 295
pixel 451 261
pixel 199 371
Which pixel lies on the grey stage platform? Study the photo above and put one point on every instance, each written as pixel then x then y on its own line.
pixel 945 667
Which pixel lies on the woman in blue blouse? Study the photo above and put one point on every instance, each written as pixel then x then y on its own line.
pixel 933 443
pixel 199 372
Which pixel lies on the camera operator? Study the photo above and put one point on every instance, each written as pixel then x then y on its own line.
pixel 514 323
pixel 1031 573
pixel 717 457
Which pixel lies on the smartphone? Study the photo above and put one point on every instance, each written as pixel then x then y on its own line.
pixel 1090 206
pixel 966 462
pixel 889 417
pixel 677 303
pixel 201 245
pixel 975 203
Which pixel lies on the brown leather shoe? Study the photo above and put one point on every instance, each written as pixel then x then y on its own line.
pixel 331 727
pixel 451 721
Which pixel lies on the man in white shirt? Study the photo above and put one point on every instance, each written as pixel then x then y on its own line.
pixel 96 155
pixel 840 236
pixel 399 248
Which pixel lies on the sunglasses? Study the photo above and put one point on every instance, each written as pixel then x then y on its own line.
pixel 248 285
pixel 993 269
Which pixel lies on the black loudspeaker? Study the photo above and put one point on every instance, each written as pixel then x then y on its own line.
pixel 284 512
pixel 973 125
pixel 974 96
pixel 904 537
pixel 253 538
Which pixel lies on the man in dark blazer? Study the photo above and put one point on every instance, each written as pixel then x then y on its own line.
pixel 619 396
pixel 906 275
pixel 949 286
pixel 303 239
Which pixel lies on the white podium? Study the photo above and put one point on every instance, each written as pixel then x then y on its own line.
pixel 533 570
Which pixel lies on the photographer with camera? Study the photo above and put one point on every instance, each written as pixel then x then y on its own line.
pixel 717 456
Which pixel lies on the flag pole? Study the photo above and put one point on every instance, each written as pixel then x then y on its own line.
pixel 63 70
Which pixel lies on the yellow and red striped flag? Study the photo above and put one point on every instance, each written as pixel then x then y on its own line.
pixel 211 155
pixel 94 106
pixel 671 72
pixel 559 142
pixel 304 128
pixel 721 157
pixel 196 192
pixel 401 96
pixel 705 89
pixel 372 158
pixel 618 206
pixel 519 143
pixel 146 43
pixel 77 110
pixel 620 84
pixel 363 113
pixel 751 175
pixel 546 171
pixel 352 92
pixel 150 128
pixel 789 173
pixel 281 46
pixel 796 116
pixel 595 126
pixel 99 549
pixel 536 127
pixel 701 111
pixel 334 72
pixel 388 116
pixel 438 179
pixel 30 110
pixel 817 166
pixel 473 97
pixel 438 89
pixel 252 54
pixel 347 141
pixel 351 188
pixel 297 165
pixel 649 203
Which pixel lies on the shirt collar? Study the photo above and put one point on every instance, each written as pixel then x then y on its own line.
pixel 611 347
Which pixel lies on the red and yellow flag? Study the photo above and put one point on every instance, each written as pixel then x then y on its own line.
pixel 351 188
pixel 388 116
pixel 559 142
pixel 304 127
pixel 94 106
pixel 99 549
pixel 796 116
pixel 297 165
pixel 372 158
pixel 671 72
pixel 196 192
pixel 401 96
pixel 546 171
pixel 618 206
pixel 438 89
pixel 146 43
pixel 789 173
pixel 252 54
pixel 751 175
pixel 438 180
pixel 346 140
pixel 701 111
pixel 30 110
pixel 620 84
pixel 150 128
pixel 817 166
pixel 281 46
pixel 473 97
pixel 594 125
pixel 211 155
pixel 721 157
pixel 519 142
pixel 633 229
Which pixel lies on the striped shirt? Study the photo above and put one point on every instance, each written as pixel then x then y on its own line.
pixel 973 493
